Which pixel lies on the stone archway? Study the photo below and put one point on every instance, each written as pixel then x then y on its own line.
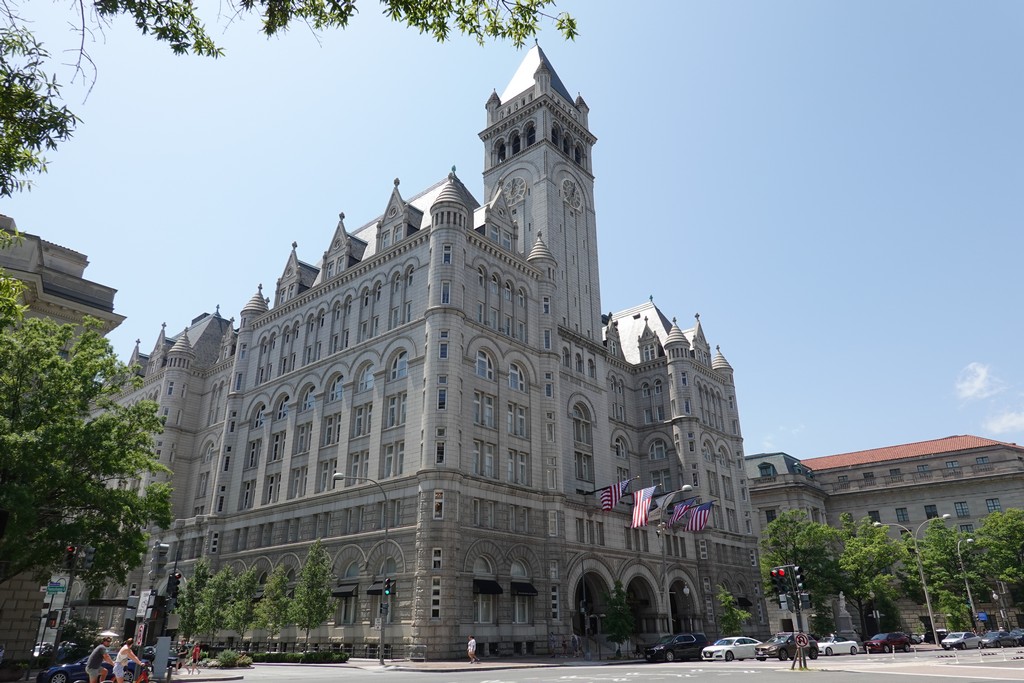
pixel 684 616
pixel 643 600
pixel 589 600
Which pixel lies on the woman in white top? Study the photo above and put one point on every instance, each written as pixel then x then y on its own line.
pixel 124 655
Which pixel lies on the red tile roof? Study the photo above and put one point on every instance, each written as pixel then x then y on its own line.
pixel 908 450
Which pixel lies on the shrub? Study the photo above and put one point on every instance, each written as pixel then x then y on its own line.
pixel 244 661
pixel 228 659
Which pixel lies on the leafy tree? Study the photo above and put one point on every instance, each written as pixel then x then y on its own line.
pixel 32 117
pixel 731 617
pixel 68 452
pixel 211 614
pixel 792 539
pixel 82 631
pixel 241 612
pixel 867 563
pixel 313 600
pixel 272 611
pixel 1001 538
pixel 618 623
pixel 190 596
pixel 10 289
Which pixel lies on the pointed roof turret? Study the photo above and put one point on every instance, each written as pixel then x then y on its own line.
pixel 540 250
pixel 676 336
pixel 455 191
pixel 257 304
pixel 182 345
pixel 524 78
pixel 719 362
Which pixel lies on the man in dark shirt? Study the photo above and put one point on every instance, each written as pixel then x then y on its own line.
pixel 94 666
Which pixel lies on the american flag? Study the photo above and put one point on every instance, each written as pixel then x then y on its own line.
pixel 680 510
pixel 610 495
pixel 641 506
pixel 699 517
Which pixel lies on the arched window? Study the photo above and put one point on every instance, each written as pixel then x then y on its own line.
pixel 566 360
pixel 400 365
pixel 366 378
pixel 645 389
pixel 581 431
pixel 308 400
pixel 508 291
pixel 484 366
pixel 591 368
pixel 657 387
pixel 579 363
pixel 484 590
pixel 516 379
pixel 282 408
pixel 566 142
pixel 578 154
pixel 657 450
pixel 501 151
pixel 555 135
pixel 257 417
pixel 337 389
pixel 480 277
pixel 531 134
pixel 619 447
pixel 515 143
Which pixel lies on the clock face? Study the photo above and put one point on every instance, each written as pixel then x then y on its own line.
pixel 571 193
pixel 515 189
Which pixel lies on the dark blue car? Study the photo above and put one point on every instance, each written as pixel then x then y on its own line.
pixel 72 672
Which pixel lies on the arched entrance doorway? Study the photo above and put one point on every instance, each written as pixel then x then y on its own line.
pixel 683 614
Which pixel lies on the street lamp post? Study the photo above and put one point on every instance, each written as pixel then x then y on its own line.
pixel 385 607
pixel 920 569
pixel 967 584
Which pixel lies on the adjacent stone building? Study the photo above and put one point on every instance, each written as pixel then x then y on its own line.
pixel 452 359
pixel 966 477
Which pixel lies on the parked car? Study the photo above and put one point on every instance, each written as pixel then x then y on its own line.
pixel 1018 633
pixel 916 638
pixel 734 647
pixel 837 645
pixel 888 642
pixel 42 649
pixel 998 639
pixel 929 638
pixel 679 646
pixel 783 646
pixel 72 672
pixel 961 640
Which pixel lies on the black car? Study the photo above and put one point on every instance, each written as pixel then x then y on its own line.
pixel 783 646
pixel 75 671
pixel 679 646
pixel 998 639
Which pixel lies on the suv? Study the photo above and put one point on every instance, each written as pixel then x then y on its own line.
pixel 888 642
pixel 783 646
pixel 679 646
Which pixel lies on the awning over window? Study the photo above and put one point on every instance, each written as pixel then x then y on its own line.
pixel 743 602
pixel 345 590
pixel 523 588
pixel 487 587
pixel 376 588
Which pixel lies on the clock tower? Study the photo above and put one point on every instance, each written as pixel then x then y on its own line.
pixel 537 151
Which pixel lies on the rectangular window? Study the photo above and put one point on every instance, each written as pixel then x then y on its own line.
pixel 992 505
pixel 248 494
pixel 394 457
pixel 546 305
pixel 302 434
pixel 931 512
pixel 446 253
pixel 547 340
pixel 981 460
pixel 967 528
pixel 961 508
pixel 439 452
pixel 253 459
pixel 584 463
pixel 277 446
pixel 952 464
pixel 875 517
pixel 555 605
pixel 442 399
pixel 435 562
pixel 446 292
pixel 901 515
pixel 435 597
pixel 438 504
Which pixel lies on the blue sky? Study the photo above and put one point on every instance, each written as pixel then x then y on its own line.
pixel 834 186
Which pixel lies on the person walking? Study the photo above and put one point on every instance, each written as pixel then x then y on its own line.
pixel 471 650
pixel 94 665
pixel 197 652
pixel 125 655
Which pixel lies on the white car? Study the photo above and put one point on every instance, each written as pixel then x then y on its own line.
pixel 735 647
pixel 837 645
pixel 961 640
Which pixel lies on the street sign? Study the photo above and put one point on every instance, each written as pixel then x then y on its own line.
pixel 139 632
pixel 143 605
pixel 801 640
pixel 54 586
pixel 982 616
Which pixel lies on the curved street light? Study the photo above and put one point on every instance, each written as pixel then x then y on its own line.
pixel 967 585
pixel 339 476
pixel 920 567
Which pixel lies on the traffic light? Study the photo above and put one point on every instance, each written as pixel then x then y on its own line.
pixel 798 577
pixel 387 586
pixel 52 619
pixel 88 557
pixel 173 583
pixel 780 580
pixel 70 553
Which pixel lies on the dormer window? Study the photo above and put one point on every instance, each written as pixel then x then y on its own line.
pixel 766 469
pixel 649 352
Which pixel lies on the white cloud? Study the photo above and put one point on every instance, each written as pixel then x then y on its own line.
pixel 976 382
pixel 1005 422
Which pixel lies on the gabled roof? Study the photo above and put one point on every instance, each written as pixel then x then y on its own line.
pixel 632 323
pixel 949 444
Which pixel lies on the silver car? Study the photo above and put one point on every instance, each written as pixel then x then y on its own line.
pixel 961 640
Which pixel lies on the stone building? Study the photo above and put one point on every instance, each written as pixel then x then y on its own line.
pixel 452 360
pixel 966 477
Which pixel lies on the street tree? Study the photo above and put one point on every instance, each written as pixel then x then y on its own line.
pixel 241 612
pixel 730 616
pixel 33 118
pixel 211 613
pixel 272 611
pixel 868 563
pixel 1001 540
pixel 69 454
pixel 189 598
pixel 313 601
pixel 618 624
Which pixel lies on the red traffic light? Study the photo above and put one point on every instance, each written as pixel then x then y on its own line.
pixel 781 571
